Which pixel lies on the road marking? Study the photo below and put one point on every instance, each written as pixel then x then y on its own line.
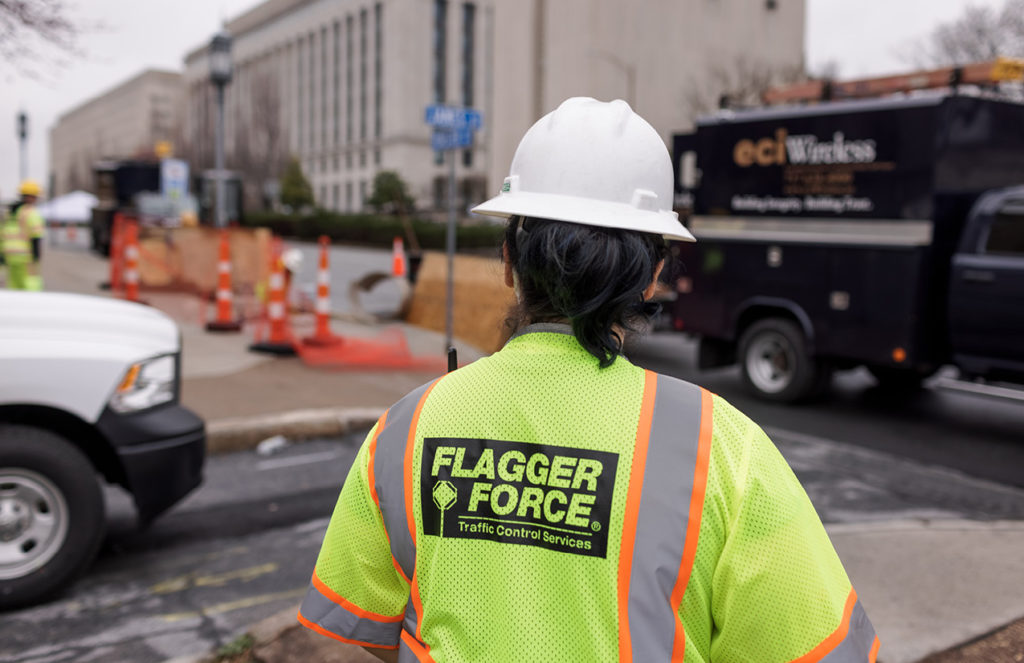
pixel 248 602
pixel 292 461
pixel 190 580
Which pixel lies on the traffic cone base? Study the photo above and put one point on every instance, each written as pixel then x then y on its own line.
pixel 279 349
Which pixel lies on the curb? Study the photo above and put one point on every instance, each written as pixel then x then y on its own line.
pixel 241 433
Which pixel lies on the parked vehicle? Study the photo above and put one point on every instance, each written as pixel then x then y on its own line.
pixel 90 391
pixel 139 189
pixel 886 233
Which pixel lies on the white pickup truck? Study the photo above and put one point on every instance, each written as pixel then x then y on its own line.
pixel 89 390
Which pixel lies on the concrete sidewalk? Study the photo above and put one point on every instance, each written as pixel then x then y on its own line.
pixel 928 585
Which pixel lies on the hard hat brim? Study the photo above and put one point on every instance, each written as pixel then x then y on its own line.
pixel 585 211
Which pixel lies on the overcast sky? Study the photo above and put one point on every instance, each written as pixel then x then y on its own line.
pixel 138 34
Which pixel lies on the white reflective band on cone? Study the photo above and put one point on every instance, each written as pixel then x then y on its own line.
pixel 276 281
pixel 323 306
pixel 132 253
pixel 131 276
pixel 323 278
pixel 223 294
pixel 275 310
pixel 224 267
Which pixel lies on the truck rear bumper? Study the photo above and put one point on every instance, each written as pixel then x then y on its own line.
pixel 161 452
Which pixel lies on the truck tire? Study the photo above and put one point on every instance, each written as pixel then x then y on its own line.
pixel 776 365
pixel 51 514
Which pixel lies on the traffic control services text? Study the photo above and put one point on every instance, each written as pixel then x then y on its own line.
pixel 553 497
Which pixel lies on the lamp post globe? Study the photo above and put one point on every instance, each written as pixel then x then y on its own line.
pixel 220 75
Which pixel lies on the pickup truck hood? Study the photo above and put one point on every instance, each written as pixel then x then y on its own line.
pixel 49 317
pixel 70 352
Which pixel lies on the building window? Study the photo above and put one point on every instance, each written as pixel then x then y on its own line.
pixel 312 90
pixel 348 196
pixel 440 48
pixel 323 163
pixel 362 74
pixel 348 160
pixel 468 46
pixel 378 68
pixel 362 158
pixel 336 162
pixel 337 84
pixel 299 95
pixel 362 195
pixel 322 202
pixel 336 197
pixel 349 107
pixel 323 88
pixel 376 157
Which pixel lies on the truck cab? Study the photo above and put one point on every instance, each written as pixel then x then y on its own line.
pixel 90 394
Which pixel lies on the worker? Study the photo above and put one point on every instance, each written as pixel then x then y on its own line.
pixel 22 237
pixel 555 502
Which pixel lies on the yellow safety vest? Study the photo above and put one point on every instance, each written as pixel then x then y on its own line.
pixel 532 506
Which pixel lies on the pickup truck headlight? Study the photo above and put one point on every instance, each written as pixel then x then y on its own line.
pixel 146 384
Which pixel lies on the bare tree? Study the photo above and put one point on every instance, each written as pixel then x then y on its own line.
pixel 737 84
pixel 31 29
pixel 977 35
pixel 260 151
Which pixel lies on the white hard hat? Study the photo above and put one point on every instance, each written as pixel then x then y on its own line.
pixel 593 163
pixel 292 259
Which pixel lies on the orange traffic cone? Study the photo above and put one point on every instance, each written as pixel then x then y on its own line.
pixel 323 336
pixel 131 261
pixel 397 258
pixel 116 253
pixel 225 315
pixel 280 341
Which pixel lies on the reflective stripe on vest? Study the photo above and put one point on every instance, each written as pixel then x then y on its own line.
pixel 391 462
pixel 663 510
pixel 853 641
pixel 327 613
pixel 14 242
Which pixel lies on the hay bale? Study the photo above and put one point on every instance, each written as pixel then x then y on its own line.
pixel 482 299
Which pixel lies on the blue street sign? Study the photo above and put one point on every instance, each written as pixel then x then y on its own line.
pixel 453 117
pixel 444 139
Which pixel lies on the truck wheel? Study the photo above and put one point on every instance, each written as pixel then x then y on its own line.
pixel 51 514
pixel 775 363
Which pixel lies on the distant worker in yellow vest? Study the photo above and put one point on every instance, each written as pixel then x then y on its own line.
pixel 22 240
pixel 555 502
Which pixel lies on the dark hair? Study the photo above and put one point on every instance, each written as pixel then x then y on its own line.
pixel 591 276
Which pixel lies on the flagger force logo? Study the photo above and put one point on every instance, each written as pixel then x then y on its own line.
pixel 557 498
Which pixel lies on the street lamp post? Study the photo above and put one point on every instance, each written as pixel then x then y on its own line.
pixel 220 76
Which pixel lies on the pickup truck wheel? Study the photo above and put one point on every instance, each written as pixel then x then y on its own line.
pixel 51 514
pixel 775 363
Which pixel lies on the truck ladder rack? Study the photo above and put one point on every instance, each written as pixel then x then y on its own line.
pixel 988 73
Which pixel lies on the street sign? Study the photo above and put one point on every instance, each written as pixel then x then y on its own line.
pixel 453 117
pixel 443 139
pixel 174 179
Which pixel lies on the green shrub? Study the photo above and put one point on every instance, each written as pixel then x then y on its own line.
pixel 374 229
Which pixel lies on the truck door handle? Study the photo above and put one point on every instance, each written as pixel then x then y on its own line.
pixel 979 276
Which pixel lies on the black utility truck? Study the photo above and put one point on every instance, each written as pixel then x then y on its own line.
pixel 886 233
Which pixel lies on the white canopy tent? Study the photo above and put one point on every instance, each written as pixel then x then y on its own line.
pixel 74 207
